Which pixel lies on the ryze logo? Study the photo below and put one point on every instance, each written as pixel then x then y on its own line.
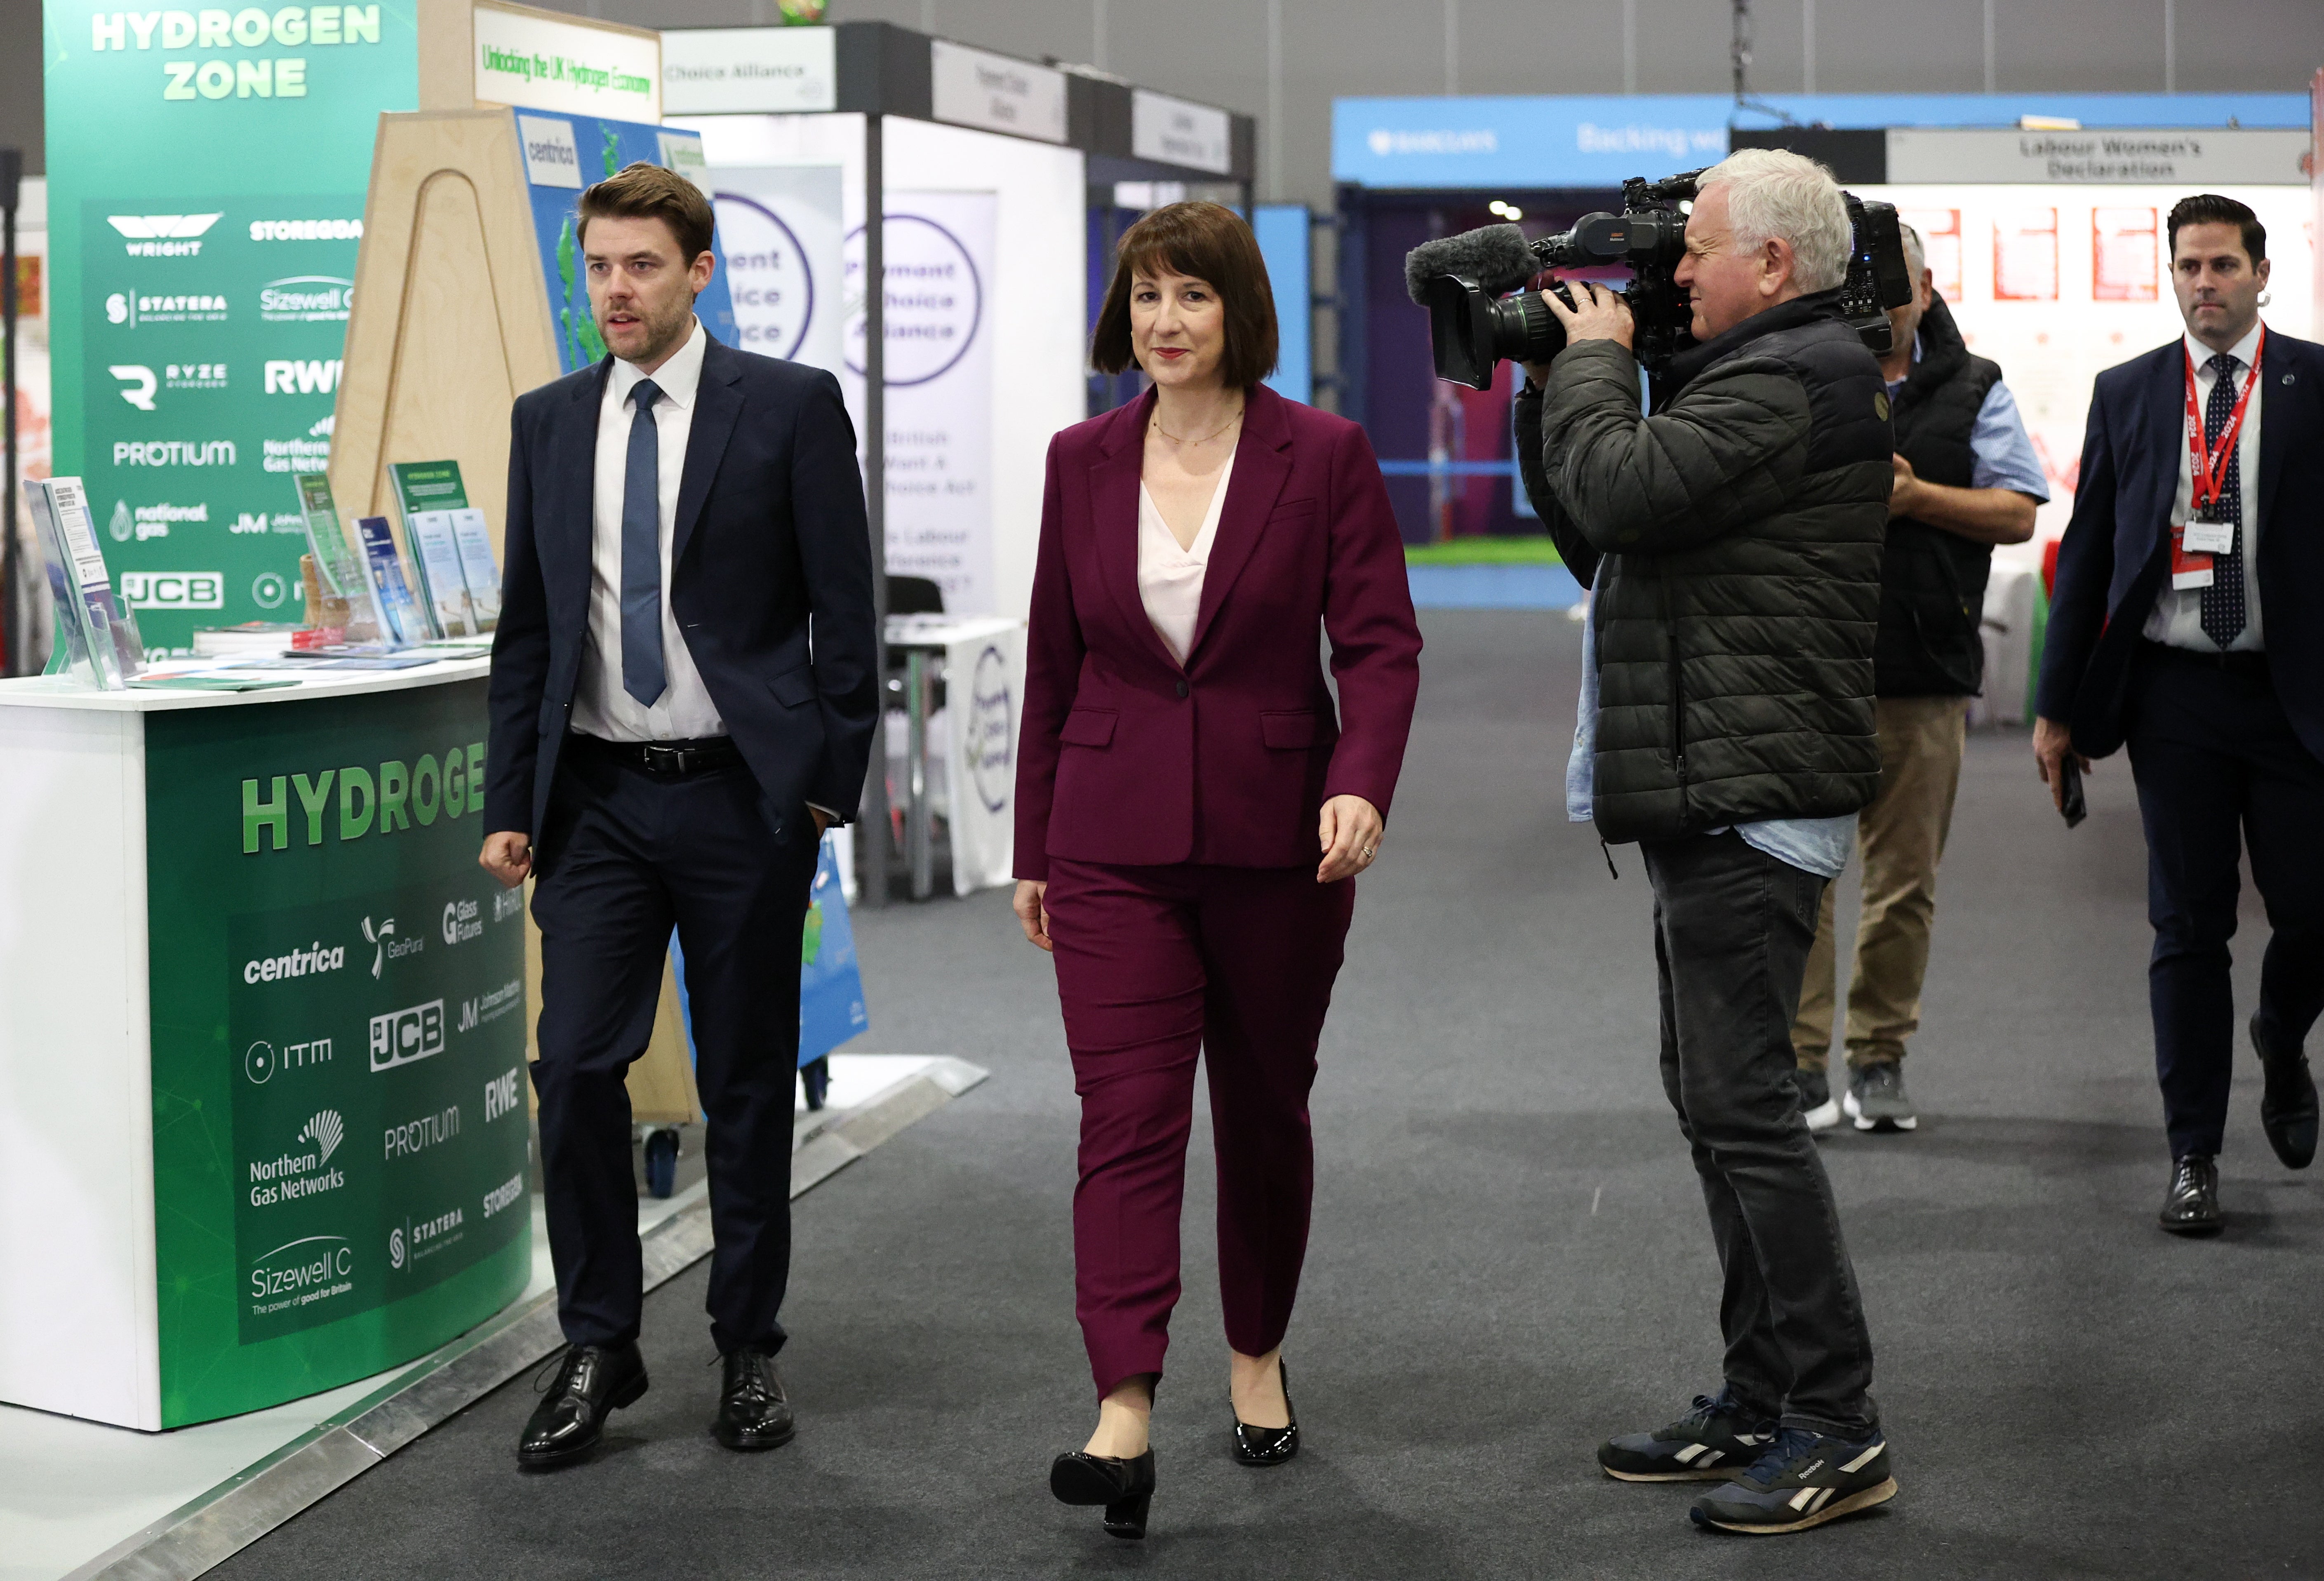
pixel 163 236
pixel 288 378
pixel 138 384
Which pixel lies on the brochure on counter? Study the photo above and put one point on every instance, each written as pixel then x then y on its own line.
pixel 98 637
pixel 460 582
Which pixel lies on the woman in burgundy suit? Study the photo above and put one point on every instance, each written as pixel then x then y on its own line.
pixel 1191 810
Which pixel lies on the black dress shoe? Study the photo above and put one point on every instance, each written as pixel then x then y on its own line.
pixel 1270 1445
pixel 593 1381
pixel 753 1411
pixel 2287 1104
pixel 2192 1207
pixel 1125 1487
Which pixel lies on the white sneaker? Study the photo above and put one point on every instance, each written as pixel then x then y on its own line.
pixel 1818 1108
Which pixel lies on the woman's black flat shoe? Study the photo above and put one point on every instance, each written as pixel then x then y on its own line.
pixel 1270 1445
pixel 1125 1487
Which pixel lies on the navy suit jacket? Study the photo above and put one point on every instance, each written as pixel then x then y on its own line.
pixel 2116 556
pixel 770 539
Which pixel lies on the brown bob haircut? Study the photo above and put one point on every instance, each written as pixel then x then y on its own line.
pixel 648 192
pixel 1210 242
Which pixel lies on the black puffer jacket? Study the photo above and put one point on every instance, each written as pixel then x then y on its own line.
pixel 1739 592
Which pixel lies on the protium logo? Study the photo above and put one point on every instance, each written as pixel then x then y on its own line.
pixel 390 797
pixel 163 236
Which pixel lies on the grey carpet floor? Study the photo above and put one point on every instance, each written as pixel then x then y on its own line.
pixel 1509 1258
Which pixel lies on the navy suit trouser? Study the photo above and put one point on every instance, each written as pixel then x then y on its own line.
pixel 627 856
pixel 2220 773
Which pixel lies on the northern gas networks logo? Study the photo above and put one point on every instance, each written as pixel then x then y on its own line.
pixel 133 308
pixel 180 590
pixel 137 383
pixel 163 236
pixel 290 1176
pixel 311 454
pixel 403 1037
pixel 306 299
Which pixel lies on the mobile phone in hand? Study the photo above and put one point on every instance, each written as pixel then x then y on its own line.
pixel 2070 800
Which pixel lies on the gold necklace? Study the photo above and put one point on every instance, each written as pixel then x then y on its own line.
pixel 1206 438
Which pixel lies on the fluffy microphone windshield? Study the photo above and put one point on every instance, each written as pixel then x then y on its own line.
pixel 1496 257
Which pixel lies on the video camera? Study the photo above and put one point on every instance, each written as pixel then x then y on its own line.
pixel 1472 325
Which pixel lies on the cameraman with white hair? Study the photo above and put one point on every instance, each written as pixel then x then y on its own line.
pixel 1732 542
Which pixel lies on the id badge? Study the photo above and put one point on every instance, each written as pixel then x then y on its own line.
pixel 2201 537
pixel 2190 567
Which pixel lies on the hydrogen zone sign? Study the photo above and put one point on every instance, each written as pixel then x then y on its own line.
pixel 205 195
pixel 340 1135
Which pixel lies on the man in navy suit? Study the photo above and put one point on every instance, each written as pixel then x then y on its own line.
pixel 2188 622
pixel 683 695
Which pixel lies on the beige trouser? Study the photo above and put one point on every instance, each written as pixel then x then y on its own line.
pixel 1899 840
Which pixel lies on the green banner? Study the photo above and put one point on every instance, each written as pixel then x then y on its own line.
pixel 339 1012
pixel 206 192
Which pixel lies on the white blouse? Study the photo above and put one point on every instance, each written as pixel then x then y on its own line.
pixel 1170 578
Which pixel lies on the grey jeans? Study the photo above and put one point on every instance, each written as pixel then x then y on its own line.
pixel 1732 929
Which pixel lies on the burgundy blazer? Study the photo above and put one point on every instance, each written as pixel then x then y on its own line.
pixel 1125 757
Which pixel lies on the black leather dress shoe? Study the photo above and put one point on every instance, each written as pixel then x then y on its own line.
pixel 593 1381
pixel 1270 1445
pixel 2192 1207
pixel 753 1411
pixel 2287 1104
pixel 1125 1487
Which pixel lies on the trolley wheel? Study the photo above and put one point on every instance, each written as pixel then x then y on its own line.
pixel 661 1161
pixel 816 1076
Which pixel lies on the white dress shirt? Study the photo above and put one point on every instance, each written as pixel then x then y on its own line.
pixel 601 707
pixel 1170 578
pixel 2177 618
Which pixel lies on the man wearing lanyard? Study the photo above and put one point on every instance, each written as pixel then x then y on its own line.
pixel 2188 621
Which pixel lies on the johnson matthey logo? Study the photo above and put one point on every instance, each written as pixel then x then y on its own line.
pixel 163 236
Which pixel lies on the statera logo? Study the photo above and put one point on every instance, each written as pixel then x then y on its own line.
pixel 133 308
pixel 163 236
pixel 403 1036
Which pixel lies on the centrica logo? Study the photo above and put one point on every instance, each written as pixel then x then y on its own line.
pixel 174 590
pixel 132 308
pixel 405 1037
pixel 163 236
pixel 298 963
pixel 306 299
pixel 306 230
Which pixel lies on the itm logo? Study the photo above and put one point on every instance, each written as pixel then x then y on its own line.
pixel 287 377
pixel 326 1131
pixel 378 939
pixel 137 383
pixel 163 236
pixel 403 1037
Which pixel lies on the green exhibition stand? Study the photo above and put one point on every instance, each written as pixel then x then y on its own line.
pixel 262 1116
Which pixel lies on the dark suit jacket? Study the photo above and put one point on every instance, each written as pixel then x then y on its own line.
pixel 2116 557
pixel 770 536
pixel 1127 758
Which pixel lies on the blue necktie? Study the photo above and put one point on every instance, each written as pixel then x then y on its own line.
pixel 2222 602
pixel 642 671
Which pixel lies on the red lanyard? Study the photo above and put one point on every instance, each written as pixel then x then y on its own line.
pixel 2210 465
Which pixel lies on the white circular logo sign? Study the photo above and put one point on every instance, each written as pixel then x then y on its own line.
pixel 989 731
pixel 270 590
pixel 766 274
pixel 933 304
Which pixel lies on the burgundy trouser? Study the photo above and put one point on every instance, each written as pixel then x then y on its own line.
pixel 1154 966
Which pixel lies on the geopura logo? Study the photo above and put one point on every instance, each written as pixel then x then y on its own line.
pixel 163 236
pixel 386 947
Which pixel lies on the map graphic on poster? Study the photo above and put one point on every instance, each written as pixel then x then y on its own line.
pixel 564 153
pixel 939 388
pixel 204 226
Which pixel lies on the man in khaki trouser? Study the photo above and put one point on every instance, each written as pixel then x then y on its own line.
pixel 1967 478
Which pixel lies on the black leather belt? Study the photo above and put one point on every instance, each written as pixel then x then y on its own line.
pixel 666 760
pixel 2250 666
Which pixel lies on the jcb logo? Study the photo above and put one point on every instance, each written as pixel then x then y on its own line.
pixel 303 378
pixel 174 590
